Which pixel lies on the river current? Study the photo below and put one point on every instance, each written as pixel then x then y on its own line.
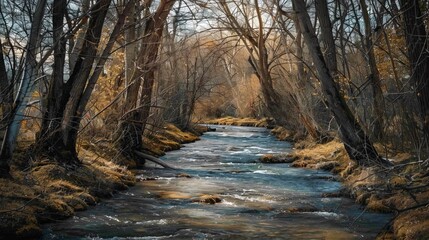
pixel 259 201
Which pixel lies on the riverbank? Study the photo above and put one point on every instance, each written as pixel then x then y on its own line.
pixel 380 190
pixel 42 190
pixel 403 189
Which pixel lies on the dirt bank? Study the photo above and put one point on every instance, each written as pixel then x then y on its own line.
pixel 42 190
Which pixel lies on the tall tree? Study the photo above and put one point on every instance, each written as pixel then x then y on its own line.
pixel 356 142
pixel 26 85
pixel 6 100
pixel 137 104
pixel 374 76
pixel 255 35
pixel 60 127
pixel 322 13
pixel 418 54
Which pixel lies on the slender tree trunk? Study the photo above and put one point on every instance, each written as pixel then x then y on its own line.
pixel 133 123
pixel 26 84
pixel 356 142
pixel 418 54
pixel 327 38
pixel 150 48
pixel 6 95
pixel 83 101
pixel 80 37
pixel 130 44
pixel 80 74
pixel 51 121
pixel 374 77
pixel 6 100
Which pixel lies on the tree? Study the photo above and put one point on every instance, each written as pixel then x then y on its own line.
pixel 60 127
pixel 302 99
pixel 136 109
pixel 6 100
pixel 25 87
pixel 374 76
pixel 356 142
pixel 254 34
pixel 418 54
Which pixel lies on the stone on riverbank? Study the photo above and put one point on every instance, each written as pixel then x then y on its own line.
pixel 207 198
pixel 278 158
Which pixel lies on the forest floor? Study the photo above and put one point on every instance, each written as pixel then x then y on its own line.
pixel 42 190
pixel 402 189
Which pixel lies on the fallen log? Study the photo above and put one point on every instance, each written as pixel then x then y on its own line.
pixel 154 160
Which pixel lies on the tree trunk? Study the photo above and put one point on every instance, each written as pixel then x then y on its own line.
pixel 418 54
pixel 133 123
pixel 356 142
pixel 327 39
pixel 26 84
pixel 6 100
pixel 80 75
pixel 51 122
pixel 59 129
pixel 130 44
pixel 80 37
pixel 83 101
pixel 374 77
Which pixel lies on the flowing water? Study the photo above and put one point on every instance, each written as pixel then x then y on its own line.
pixel 259 201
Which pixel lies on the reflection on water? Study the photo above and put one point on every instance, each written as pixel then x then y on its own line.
pixel 259 201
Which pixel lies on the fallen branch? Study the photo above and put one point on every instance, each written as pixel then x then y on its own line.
pixel 154 159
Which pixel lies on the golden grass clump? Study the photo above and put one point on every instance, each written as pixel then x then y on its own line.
pixel 228 120
pixel 169 138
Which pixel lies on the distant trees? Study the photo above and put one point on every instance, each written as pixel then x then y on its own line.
pixel 245 18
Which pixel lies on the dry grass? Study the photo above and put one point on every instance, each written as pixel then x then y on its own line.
pixel 49 191
pixel 43 190
pixel 249 122
pixel 170 138
pixel 399 190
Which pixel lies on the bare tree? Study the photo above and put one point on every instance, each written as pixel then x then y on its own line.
pixel 356 142
pixel 138 104
pixel 254 34
pixel 418 54
pixel 374 76
pixel 26 85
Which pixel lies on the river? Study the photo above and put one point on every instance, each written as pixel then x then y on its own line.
pixel 259 201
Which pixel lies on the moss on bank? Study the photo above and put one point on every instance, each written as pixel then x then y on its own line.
pixel 42 190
